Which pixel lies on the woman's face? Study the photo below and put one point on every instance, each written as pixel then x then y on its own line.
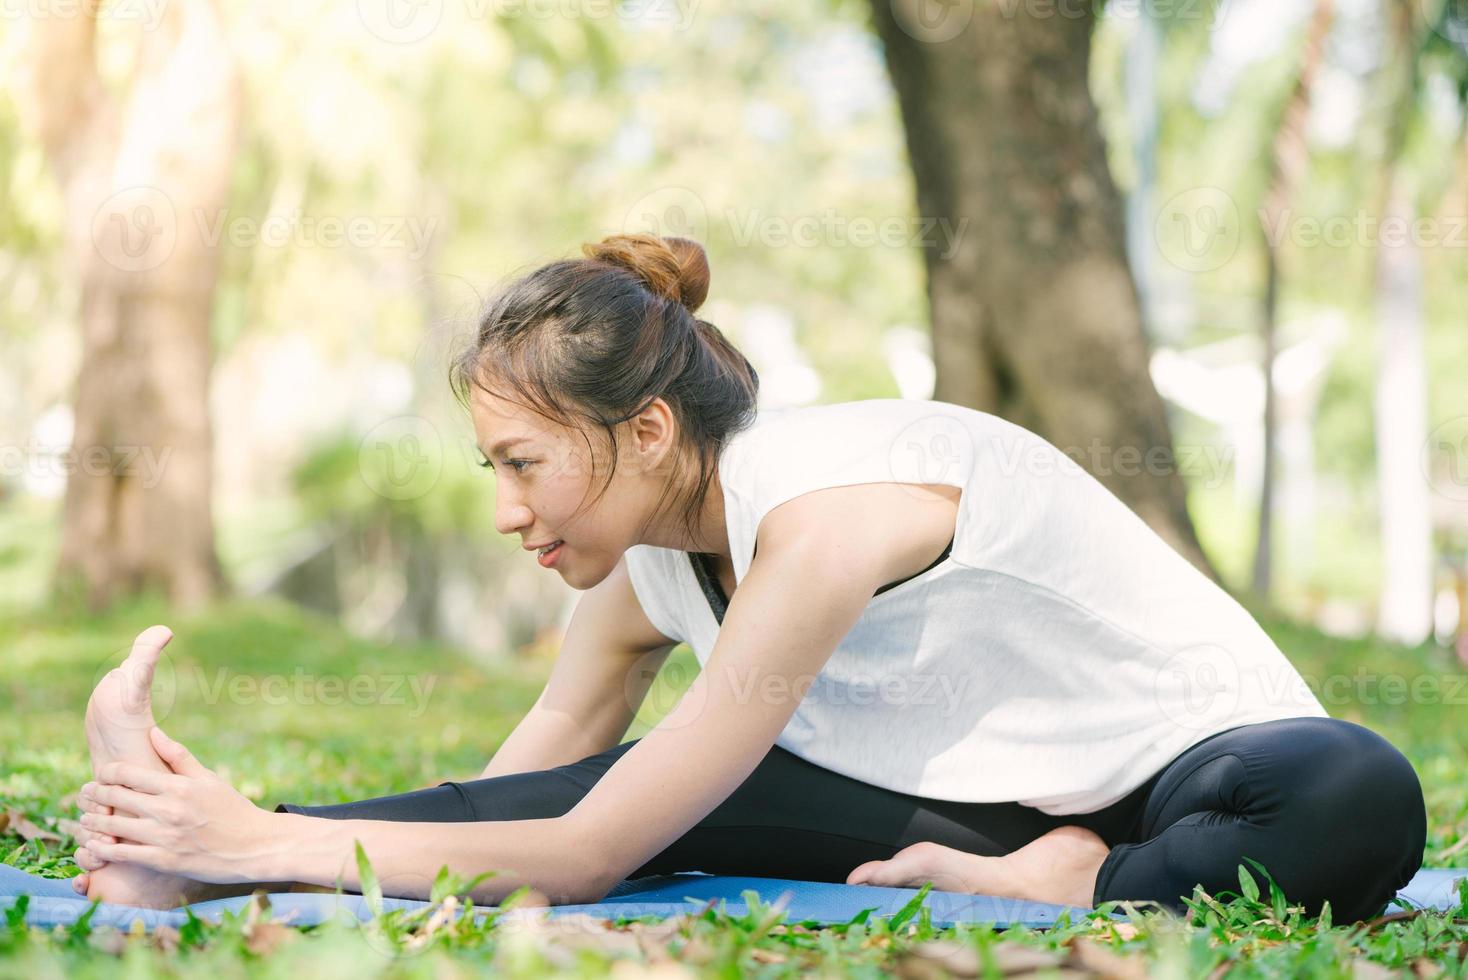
pixel 543 473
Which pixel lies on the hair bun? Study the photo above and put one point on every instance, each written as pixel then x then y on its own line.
pixel 675 268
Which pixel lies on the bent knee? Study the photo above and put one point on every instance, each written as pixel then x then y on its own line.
pixel 1362 792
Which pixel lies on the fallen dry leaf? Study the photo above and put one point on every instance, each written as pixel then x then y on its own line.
pixel 107 940
pixel 264 938
pixel 1367 970
pixel 1108 963
pixel 958 959
pixel 1016 958
pixel 28 830
pixel 165 938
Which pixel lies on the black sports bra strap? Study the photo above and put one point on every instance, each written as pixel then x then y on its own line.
pixel 708 581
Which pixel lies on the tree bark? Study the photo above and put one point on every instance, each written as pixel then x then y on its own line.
pixel 1035 313
pixel 1289 157
pixel 145 185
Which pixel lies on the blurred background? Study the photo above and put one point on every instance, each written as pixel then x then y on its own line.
pixel 1216 248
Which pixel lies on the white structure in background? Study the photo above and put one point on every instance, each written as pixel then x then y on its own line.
pixel 1406 611
pixel 51 456
pixel 1222 382
pixel 786 375
pixel 909 354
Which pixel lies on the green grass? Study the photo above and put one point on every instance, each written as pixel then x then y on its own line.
pixel 426 713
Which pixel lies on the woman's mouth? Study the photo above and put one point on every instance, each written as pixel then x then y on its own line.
pixel 547 556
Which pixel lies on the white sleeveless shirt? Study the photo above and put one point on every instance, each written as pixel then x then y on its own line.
pixel 1060 656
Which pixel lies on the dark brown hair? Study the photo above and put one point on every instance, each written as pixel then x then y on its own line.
pixel 590 342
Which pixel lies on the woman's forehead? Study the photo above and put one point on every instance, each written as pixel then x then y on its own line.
pixel 498 419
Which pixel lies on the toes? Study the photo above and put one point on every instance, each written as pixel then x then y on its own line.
pixel 143 660
pixel 151 641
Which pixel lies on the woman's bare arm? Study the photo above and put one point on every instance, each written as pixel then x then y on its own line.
pixel 774 640
pixel 800 597
pixel 606 663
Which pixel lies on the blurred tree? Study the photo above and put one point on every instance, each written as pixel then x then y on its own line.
pixel 1413 49
pixel 1035 313
pixel 1288 158
pixel 144 186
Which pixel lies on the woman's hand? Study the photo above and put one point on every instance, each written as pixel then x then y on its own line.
pixel 189 822
pixel 84 858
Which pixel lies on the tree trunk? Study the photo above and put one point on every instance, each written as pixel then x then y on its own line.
pixel 1288 157
pixel 145 188
pixel 1035 313
pixel 1404 611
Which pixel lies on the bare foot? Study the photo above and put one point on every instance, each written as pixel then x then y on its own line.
pixel 119 715
pixel 1058 867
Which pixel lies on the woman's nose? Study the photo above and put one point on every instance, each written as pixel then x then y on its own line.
pixel 510 517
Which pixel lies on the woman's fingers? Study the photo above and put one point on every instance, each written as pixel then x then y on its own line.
pixel 143 855
pixel 136 777
pixel 80 883
pixel 130 800
pixel 86 798
pixel 131 828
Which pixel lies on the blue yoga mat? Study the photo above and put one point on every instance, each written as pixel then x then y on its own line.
pixel 54 903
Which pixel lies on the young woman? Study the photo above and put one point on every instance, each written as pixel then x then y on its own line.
pixel 932 648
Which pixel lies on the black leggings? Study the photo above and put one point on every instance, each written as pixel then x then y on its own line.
pixel 1330 808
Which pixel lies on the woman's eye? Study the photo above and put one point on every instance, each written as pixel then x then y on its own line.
pixel 518 465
